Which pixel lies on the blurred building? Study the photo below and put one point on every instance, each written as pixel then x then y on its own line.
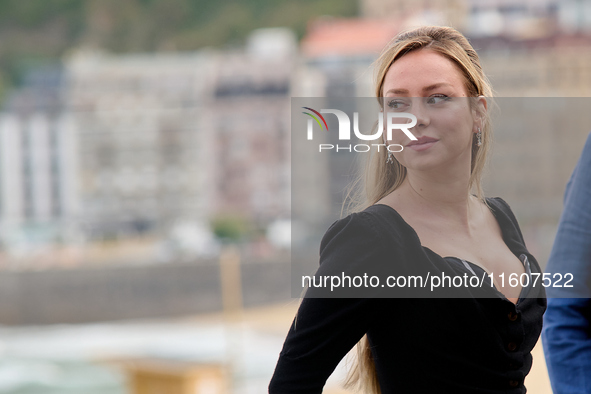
pixel 145 153
pixel 342 51
pixel 120 145
pixel 555 67
pixel 337 57
pixel 38 170
pixel 250 114
pixel 418 12
pixel 488 18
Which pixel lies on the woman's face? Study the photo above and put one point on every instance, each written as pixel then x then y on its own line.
pixel 431 87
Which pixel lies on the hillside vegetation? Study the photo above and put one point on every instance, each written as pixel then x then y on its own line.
pixel 38 32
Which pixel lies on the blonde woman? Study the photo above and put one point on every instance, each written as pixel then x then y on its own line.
pixel 422 211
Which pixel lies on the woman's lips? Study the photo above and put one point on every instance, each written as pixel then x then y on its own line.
pixel 421 143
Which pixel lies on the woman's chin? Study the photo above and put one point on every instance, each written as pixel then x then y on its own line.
pixel 421 164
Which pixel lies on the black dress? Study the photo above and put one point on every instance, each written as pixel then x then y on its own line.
pixel 479 343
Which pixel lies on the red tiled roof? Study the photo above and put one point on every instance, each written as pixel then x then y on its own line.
pixel 348 37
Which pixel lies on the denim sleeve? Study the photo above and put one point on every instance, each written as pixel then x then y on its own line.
pixel 567 344
pixel 566 335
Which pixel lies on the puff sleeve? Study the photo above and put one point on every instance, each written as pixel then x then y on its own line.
pixel 325 327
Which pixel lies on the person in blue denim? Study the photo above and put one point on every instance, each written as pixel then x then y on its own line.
pixel 566 335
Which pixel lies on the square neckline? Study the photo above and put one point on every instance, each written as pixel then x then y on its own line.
pixel 426 248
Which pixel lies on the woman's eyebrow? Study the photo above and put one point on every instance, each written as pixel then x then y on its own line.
pixel 425 89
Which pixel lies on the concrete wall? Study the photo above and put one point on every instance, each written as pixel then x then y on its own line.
pixel 80 296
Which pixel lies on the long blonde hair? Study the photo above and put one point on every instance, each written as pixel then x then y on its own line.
pixel 380 179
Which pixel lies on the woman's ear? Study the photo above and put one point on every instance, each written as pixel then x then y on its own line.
pixel 480 110
pixel 483 104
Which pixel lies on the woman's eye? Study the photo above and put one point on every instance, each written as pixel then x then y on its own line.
pixel 437 99
pixel 396 104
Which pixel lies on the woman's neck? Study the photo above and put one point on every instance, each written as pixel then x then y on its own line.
pixel 445 197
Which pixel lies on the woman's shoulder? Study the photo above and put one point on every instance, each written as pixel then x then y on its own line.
pixel 505 216
pixel 366 244
pixel 500 206
pixel 377 224
pixel 498 203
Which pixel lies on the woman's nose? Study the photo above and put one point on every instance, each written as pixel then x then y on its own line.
pixel 420 111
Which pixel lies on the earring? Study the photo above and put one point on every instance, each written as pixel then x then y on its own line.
pixel 390 159
pixel 479 137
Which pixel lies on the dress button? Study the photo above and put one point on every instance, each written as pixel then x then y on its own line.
pixel 513 383
pixel 512 316
pixel 511 346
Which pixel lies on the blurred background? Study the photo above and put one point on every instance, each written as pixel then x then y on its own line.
pixel 145 172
